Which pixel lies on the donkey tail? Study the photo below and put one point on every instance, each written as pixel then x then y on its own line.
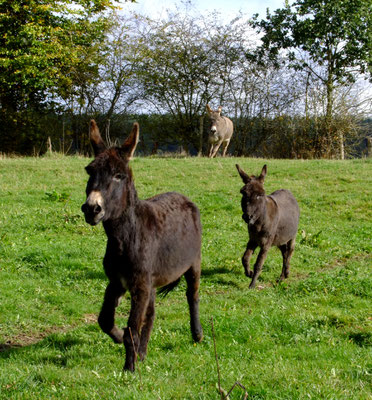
pixel 163 291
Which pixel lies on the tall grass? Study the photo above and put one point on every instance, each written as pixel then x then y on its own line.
pixel 308 338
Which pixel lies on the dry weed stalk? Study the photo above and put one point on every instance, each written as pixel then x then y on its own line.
pixel 135 357
pixel 224 395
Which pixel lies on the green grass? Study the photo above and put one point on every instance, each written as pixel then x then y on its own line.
pixel 308 338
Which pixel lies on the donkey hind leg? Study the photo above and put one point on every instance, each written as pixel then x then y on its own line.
pixel 258 266
pixel 224 147
pixel 139 301
pixel 106 318
pixel 251 247
pixel 287 251
pixel 192 276
pixel 147 326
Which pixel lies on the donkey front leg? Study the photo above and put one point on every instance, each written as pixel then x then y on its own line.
pixel 139 303
pixel 216 148
pixel 210 151
pixel 147 326
pixel 258 266
pixel 251 247
pixel 193 281
pixel 106 318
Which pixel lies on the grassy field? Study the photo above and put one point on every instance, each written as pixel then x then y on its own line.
pixel 308 338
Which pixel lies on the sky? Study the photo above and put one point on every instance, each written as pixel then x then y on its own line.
pixel 228 8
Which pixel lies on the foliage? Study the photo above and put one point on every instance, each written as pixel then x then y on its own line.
pixel 177 71
pixel 334 33
pixel 330 39
pixel 188 63
pixel 288 136
pixel 46 49
pixel 63 63
pixel 116 85
pixel 336 36
pixel 306 338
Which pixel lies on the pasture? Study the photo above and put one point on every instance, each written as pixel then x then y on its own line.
pixel 306 338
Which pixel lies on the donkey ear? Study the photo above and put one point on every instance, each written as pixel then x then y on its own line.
pixel 209 110
pixel 219 109
pixel 130 144
pixel 95 138
pixel 242 174
pixel 263 173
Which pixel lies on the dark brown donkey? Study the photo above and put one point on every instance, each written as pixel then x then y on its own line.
pixel 150 244
pixel 272 221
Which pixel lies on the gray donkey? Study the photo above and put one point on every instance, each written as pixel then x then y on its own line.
pixel 221 130
pixel 272 221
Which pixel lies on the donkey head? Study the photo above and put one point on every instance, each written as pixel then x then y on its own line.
pixel 253 195
pixel 216 120
pixel 110 186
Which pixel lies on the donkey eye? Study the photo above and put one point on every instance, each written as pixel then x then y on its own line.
pixel 118 177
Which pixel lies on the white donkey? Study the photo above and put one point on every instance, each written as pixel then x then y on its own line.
pixel 220 132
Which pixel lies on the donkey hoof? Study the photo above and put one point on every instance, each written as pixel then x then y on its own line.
pixel 142 354
pixel 118 339
pixel 249 274
pixel 117 335
pixel 252 285
pixel 197 336
pixel 128 367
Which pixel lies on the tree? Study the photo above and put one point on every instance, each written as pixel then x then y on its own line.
pixel 120 87
pixel 189 62
pixel 113 87
pixel 43 53
pixel 335 34
pixel 177 72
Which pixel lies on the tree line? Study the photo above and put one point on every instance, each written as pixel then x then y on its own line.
pixel 296 84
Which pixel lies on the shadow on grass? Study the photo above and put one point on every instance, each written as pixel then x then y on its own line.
pixel 215 271
pixel 58 342
pixel 7 347
pixel 99 275
pixel 168 346
pixel 215 275
pixel 362 339
pixel 53 336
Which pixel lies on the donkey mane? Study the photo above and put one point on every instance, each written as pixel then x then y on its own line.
pixel 110 159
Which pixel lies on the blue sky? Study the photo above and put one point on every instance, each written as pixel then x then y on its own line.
pixel 227 8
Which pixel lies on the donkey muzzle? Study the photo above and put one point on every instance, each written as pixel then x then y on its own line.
pixel 250 219
pixel 93 208
pixel 213 137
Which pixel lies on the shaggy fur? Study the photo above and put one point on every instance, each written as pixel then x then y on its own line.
pixel 150 244
pixel 272 221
